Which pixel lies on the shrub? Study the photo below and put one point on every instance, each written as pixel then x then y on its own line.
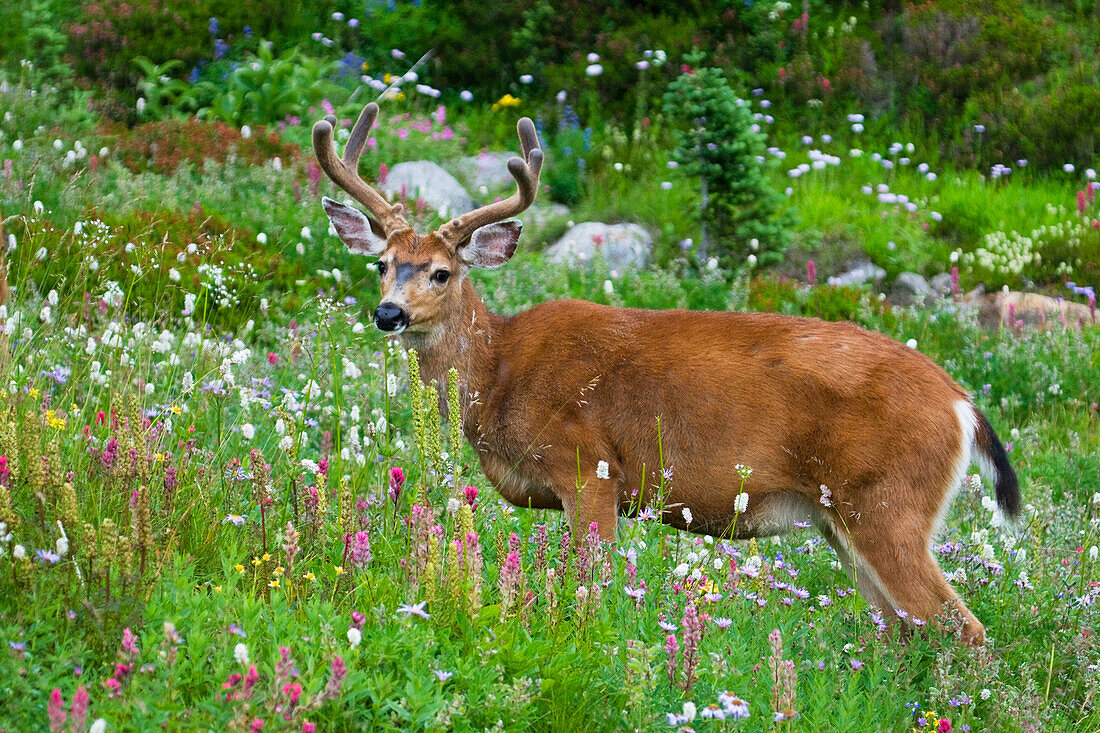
pixel 108 35
pixel 950 50
pixel 163 146
pixel 717 143
pixel 267 88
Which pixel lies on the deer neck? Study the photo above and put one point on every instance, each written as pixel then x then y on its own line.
pixel 465 342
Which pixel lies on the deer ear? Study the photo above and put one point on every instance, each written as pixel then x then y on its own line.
pixel 357 231
pixel 492 245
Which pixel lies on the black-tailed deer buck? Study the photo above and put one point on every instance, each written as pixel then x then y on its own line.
pixel 863 436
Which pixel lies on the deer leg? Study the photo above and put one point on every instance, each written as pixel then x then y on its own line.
pixel 589 498
pixel 907 577
pixel 865 578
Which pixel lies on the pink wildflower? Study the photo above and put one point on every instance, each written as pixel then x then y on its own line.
pixel 55 711
pixel 397 481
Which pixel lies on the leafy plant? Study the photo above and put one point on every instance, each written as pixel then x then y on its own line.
pixel 266 88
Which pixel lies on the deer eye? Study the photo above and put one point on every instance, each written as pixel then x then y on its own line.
pixel 381 268
pixel 441 276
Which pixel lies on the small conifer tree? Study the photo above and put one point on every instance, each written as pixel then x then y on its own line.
pixel 740 213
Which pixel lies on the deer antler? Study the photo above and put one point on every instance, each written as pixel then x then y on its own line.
pixel 525 171
pixel 345 172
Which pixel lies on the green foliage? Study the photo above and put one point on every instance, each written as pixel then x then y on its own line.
pixel 32 36
pixel 266 88
pixel 717 143
pixel 108 35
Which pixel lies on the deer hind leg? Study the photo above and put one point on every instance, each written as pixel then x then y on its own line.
pixel 896 572
pixel 864 576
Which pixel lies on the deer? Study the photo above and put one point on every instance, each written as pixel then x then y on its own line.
pixel 865 437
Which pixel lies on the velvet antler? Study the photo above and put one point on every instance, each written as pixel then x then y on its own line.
pixel 345 172
pixel 525 171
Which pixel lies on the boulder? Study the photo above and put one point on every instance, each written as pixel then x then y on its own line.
pixel 941 284
pixel 911 289
pixel 427 181
pixel 859 273
pixel 622 245
pixel 540 214
pixel 1007 309
pixel 488 169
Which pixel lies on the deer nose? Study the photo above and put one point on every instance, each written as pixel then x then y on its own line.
pixel 390 318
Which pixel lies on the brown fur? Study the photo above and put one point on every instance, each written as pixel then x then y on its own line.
pixel 802 402
pixel 549 393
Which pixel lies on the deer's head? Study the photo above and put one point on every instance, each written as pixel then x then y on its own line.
pixel 421 275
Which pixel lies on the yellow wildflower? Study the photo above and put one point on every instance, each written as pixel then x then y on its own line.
pixel 274 583
pixel 309 576
pixel 176 409
pixel 257 561
pixel 239 568
pixel 277 571
pixel 339 569
pixel 266 556
pixel 34 393
pixel 504 102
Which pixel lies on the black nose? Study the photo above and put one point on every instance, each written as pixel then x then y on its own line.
pixel 389 317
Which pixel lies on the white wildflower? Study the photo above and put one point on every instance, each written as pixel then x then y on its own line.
pixel 602 470
pixel 240 653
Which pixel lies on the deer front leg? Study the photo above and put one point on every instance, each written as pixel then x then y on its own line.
pixel 591 494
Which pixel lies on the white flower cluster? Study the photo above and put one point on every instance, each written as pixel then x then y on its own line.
pixel 1003 253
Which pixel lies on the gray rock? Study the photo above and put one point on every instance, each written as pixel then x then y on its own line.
pixel 427 181
pixel 859 273
pixel 911 289
pixel 540 214
pixel 622 245
pixel 488 169
pixel 941 284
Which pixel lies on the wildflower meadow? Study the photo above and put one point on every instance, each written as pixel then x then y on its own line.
pixel 229 502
